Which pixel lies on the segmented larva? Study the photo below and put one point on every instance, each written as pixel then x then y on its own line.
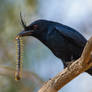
pixel 19 49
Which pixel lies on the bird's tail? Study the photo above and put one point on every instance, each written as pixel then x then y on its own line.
pixel 89 71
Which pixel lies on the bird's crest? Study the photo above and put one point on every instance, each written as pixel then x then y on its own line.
pixel 22 22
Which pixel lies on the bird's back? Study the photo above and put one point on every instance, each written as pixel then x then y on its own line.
pixel 66 43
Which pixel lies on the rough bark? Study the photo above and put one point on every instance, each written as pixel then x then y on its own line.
pixel 80 65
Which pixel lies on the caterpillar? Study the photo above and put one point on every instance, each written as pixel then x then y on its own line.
pixel 19 49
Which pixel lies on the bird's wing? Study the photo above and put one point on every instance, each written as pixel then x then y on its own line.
pixel 72 35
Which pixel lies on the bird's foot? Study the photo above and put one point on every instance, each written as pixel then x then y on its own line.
pixel 68 64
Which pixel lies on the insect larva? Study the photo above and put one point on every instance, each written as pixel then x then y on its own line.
pixel 19 49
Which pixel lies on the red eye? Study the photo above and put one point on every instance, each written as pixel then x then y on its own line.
pixel 35 26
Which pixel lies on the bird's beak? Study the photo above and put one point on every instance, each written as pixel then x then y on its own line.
pixel 25 33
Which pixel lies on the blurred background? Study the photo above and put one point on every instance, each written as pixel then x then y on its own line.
pixel 39 63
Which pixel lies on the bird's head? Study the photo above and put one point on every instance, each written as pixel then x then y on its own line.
pixel 34 29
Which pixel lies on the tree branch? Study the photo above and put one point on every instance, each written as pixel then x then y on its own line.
pixel 80 65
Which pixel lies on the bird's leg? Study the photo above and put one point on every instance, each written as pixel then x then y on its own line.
pixel 65 64
pixel 70 62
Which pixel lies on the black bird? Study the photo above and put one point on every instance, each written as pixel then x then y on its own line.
pixel 65 42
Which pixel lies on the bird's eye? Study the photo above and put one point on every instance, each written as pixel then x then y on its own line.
pixel 35 26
